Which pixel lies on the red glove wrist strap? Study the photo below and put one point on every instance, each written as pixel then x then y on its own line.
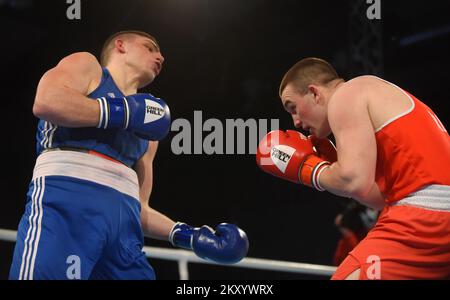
pixel 310 170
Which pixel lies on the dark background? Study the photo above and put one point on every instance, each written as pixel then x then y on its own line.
pixel 225 58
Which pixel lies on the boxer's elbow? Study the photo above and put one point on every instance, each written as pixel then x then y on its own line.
pixel 356 184
pixel 42 107
pixel 45 103
pixel 49 93
pixel 359 190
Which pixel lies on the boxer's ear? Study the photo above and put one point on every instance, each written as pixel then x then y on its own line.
pixel 119 44
pixel 315 92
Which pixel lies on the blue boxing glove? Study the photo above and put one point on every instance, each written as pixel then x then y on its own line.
pixel 228 244
pixel 144 114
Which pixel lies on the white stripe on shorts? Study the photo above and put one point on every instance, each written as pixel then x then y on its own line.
pixel 34 230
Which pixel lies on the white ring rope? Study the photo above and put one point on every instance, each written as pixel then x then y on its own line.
pixel 184 256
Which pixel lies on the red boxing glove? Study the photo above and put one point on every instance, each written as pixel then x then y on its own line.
pixel 325 148
pixel 290 155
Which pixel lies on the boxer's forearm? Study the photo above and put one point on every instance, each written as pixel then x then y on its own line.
pixel 154 224
pixel 340 183
pixel 351 185
pixel 66 107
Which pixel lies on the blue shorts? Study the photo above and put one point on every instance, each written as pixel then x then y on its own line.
pixel 76 228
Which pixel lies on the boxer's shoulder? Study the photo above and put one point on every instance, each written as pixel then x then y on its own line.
pixel 380 98
pixel 357 87
pixel 351 94
pixel 83 64
pixel 81 60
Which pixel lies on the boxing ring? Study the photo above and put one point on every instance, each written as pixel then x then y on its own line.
pixel 184 257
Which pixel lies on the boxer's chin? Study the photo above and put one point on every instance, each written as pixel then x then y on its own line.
pixel 148 78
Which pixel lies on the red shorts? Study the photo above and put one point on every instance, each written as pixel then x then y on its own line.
pixel 407 242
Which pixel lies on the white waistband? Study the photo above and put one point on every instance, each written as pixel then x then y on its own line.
pixel 433 197
pixel 88 167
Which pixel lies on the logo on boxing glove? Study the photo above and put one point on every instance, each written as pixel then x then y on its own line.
pixel 281 155
pixel 153 111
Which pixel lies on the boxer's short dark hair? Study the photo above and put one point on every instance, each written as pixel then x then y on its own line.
pixel 310 70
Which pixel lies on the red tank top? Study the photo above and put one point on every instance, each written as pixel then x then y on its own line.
pixel 413 151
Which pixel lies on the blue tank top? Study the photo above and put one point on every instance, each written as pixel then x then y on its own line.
pixel 119 144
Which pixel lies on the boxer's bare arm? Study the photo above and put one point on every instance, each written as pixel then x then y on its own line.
pixel 154 224
pixel 353 175
pixel 374 198
pixel 61 93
